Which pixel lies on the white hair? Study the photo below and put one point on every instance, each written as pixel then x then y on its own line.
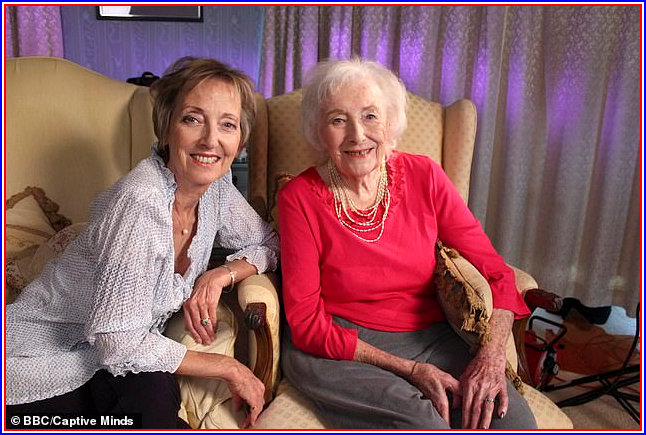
pixel 328 77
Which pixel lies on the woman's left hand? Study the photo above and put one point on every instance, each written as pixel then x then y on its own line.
pixel 203 304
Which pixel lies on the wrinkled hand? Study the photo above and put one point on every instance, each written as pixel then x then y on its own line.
pixel 434 384
pixel 246 388
pixel 483 378
pixel 203 304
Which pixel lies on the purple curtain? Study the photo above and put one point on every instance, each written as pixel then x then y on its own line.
pixel 33 31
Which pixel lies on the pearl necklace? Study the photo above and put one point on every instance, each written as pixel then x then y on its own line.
pixel 345 207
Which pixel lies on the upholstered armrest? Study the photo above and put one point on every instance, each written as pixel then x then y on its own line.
pixel 206 402
pixel 258 299
pixel 524 281
pixel 535 297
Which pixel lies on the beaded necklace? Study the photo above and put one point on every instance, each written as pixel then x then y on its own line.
pixel 364 220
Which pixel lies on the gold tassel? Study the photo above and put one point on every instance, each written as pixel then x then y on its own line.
pixel 514 378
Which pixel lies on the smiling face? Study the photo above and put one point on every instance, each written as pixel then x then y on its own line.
pixel 354 130
pixel 204 134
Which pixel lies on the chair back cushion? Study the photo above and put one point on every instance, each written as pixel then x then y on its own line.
pixel 70 130
pixel 446 134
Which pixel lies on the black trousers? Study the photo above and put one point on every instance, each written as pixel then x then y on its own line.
pixel 154 396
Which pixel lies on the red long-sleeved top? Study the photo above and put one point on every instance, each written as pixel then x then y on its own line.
pixel 386 285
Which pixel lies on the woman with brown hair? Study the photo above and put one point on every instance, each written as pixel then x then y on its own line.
pixel 86 336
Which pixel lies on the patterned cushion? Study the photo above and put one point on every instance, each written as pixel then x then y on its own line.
pixel 48 207
pixel 24 269
pixel 31 220
pixel 465 297
pixel 207 403
pixel 26 225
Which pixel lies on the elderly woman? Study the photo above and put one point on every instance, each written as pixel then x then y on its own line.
pixel 86 336
pixel 367 341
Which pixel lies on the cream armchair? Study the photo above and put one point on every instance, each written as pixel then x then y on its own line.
pixel 278 150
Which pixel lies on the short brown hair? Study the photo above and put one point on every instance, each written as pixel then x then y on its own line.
pixel 186 73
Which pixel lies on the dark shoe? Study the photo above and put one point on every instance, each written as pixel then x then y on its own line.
pixel 596 315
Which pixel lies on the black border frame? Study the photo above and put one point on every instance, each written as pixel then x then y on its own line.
pixel 199 19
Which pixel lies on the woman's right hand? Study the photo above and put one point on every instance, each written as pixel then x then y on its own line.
pixel 244 386
pixel 434 384
pixel 247 388
pixel 202 305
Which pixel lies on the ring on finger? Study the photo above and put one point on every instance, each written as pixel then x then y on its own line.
pixel 205 321
pixel 489 399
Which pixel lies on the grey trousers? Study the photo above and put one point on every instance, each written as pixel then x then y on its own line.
pixel 352 395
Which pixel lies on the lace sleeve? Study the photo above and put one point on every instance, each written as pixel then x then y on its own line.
pixel 138 351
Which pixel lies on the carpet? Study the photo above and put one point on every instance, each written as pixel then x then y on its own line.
pixel 588 349
pixel 603 413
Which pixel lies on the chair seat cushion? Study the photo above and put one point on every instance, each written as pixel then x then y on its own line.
pixel 291 410
pixel 207 403
pixel 546 413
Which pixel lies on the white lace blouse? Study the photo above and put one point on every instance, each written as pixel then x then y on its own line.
pixel 105 302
